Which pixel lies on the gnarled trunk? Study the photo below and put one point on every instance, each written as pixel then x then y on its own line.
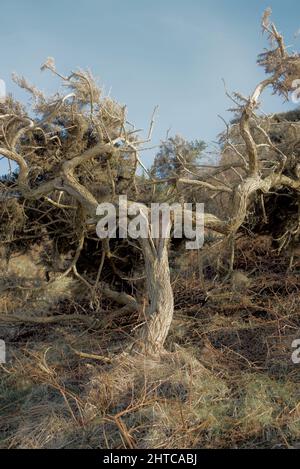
pixel 159 315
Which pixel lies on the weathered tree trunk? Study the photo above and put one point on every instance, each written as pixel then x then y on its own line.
pixel 159 315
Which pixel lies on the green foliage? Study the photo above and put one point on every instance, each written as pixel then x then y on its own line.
pixel 176 156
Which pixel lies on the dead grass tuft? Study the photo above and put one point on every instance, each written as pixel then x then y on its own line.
pixel 227 379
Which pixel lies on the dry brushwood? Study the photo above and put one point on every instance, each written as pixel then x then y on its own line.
pixel 80 150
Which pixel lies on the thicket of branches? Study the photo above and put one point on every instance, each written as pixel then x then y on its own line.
pixel 78 149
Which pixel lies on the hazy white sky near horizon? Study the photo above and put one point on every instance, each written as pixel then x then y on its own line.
pixel 173 53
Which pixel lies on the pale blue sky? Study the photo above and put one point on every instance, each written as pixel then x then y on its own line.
pixel 173 53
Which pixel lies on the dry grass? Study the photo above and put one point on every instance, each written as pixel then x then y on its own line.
pixel 227 380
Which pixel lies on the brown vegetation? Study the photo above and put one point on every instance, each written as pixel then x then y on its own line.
pixel 137 343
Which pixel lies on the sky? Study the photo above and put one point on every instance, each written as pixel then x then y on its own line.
pixel 171 53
